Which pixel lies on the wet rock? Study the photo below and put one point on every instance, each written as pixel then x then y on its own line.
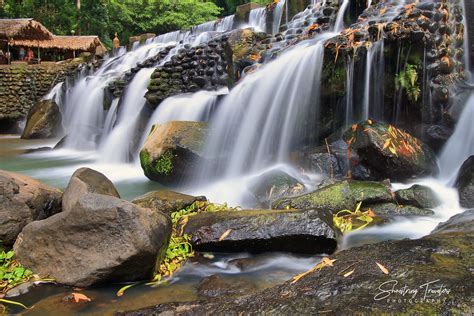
pixel 390 151
pixel 439 262
pixel 342 195
pixel 465 183
pixel 274 185
pixel 22 201
pixel 101 239
pixel 392 209
pixel 166 201
pixel 173 150
pixel 216 286
pixel 460 223
pixel 418 196
pixel 85 180
pixel 259 231
pixel 43 121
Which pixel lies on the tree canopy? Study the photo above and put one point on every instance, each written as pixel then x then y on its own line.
pixel 126 17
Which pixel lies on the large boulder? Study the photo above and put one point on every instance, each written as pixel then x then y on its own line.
pixel 273 185
pixel 22 201
pixel 390 151
pixel 101 239
pixel 465 183
pixel 418 196
pixel 85 180
pixel 166 201
pixel 173 150
pixel 342 195
pixel 430 275
pixel 43 121
pixel 258 231
pixel 460 223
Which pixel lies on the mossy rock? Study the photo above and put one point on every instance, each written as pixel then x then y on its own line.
pixel 43 121
pixel 418 196
pixel 342 195
pixel 166 201
pixel 173 150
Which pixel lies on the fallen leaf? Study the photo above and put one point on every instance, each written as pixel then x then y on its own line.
pixel 225 234
pixel 79 297
pixel 387 143
pixel 370 122
pixel 324 263
pixel 371 213
pixel 348 273
pixel 381 267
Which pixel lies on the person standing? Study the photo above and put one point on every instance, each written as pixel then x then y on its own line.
pixel 22 53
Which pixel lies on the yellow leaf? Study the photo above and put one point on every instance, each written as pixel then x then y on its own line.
pixel 325 262
pixel 392 150
pixel 79 297
pixel 225 234
pixel 387 143
pixel 381 267
pixel 370 122
pixel 348 273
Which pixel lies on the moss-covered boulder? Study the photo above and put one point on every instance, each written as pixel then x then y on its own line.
pixel 259 231
pixel 166 201
pixel 342 195
pixel 274 185
pixel 465 183
pixel 392 209
pixel 390 151
pixel 43 121
pixel 173 150
pixel 418 196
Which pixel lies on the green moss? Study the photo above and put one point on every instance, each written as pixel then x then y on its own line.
pixel 164 164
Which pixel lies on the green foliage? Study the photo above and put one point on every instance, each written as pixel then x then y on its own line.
pixel 164 164
pixel 12 272
pixel 408 80
pixel 352 220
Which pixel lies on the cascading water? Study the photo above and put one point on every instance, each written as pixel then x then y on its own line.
pixel 373 89
pixel 339 25
pixel 118 146
pixel 349 92
pixel 257 19
pixel 277 15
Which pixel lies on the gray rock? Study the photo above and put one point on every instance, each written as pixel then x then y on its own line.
pixel 43 121
pixel 461 223
pixel 22 201
pixel 418 196
pixel 465 183
pixel 166 201
pixel 392 209
pixel 101 239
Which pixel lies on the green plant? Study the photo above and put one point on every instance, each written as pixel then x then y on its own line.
pixel 164 164
pixel 408 80
pixel 347 221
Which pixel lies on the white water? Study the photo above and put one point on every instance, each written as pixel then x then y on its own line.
pixel 119 145
pixel 349 92
pixel 339 25
pixel 373 88
pixel 257 19
pixel 277 15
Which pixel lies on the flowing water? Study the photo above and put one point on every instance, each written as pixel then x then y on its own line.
pixel 257 19
pixel 277 15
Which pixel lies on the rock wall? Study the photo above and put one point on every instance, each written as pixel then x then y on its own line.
pixel 21 86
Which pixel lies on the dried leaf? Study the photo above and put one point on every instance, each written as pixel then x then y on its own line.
pixel 381 267
pixel 225 234
pixel 348 273
pixel 371 213
pixel 387 143
pixel 325 262
pixel 79 297
pixel 354 127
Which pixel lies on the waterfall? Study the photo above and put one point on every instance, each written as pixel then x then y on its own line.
pixel 281 94
pixel 373 86
pixel 277 15
pixel 349 92
pixel 339 25
pixel 110 119
pixel 257 19
pixel 119 144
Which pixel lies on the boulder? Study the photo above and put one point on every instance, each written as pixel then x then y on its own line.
pixel 429 276
pixel 259 231
pixel 173 150
pixel 43 121
pixel 390 151
pixel 457 224
pixel 465 183
pixel 166 201
pixel 342 195
pixel 392 209
pixel 101 239
pixel 273 185
pixel 85 180
pixel 22 201
pixel 418 196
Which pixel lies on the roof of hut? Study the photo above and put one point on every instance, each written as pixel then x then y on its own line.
pixel 80 43
pixel 23 29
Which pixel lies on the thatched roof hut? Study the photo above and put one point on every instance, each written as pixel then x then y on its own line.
pixel 23 29
pixel 64 43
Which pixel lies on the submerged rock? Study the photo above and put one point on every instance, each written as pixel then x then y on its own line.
pixel 43 121
pixel 418 196
pixel 435 269
pixel 22 201
pixel 173 150
pixel 390 151
pixel 259 231
pixel 274 185
pixel 166 201
pixel 100 239
pixel 465 183
pixel 85 180
pixel 342 195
